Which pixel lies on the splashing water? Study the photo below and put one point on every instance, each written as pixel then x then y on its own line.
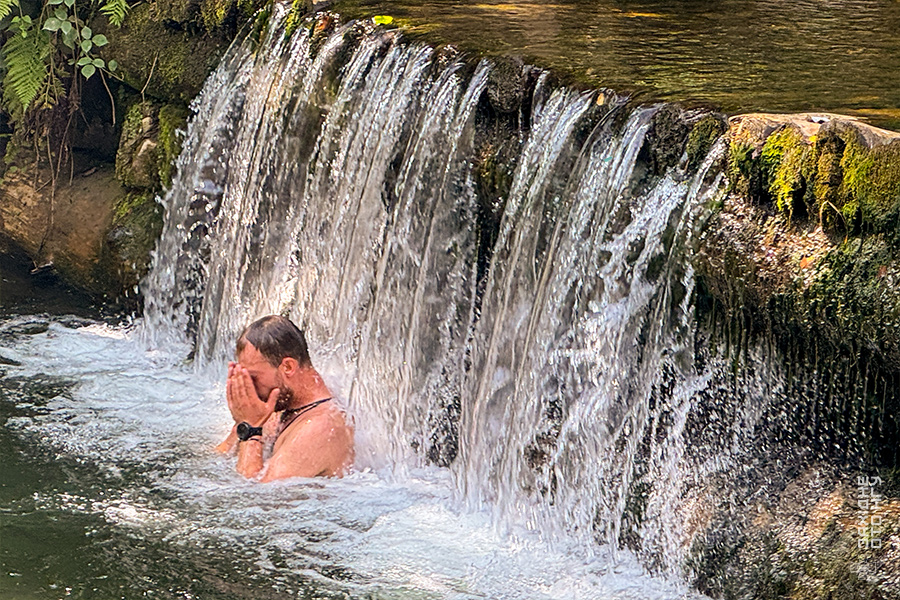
pixel 502 410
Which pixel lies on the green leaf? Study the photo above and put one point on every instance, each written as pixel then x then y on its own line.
pixel 100 40
pixel 86 46
pixel 88 70
pixel 6 7
pixel 66 27
pixel 383 19
pixel 61 14
pixel 55 2
pixel 99 63
pixel 26 19
pixel 115 11
pixel 52 24
pixel 84 60
pixel 25 57
pixel 86 33
pixel 70 3
pixel 113 65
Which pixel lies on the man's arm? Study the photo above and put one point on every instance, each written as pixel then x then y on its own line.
pixel 228 444
pixel 246 406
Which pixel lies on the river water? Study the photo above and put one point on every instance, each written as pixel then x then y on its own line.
pixel 538 411
pixel 110 489
pixel 743 55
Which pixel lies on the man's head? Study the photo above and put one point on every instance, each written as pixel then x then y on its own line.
pixel 273 349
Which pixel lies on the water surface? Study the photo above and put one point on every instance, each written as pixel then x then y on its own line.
pixel 110 489
pixel 743 55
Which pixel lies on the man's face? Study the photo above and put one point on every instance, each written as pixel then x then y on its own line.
pixel 265 377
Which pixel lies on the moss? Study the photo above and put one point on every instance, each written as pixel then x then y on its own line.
pixel 299 9
pixel 829 173
pixel 165 58
pixel 785 160
pixel 137 158
pixel 172 120
pixel 701 138
pixel 743 170
pixel 137 223
pixel 261 24
pixel 871 184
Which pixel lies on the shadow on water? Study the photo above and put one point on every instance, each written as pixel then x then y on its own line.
pixel 24 290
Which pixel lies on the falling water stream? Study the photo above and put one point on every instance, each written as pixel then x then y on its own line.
pixel 503 397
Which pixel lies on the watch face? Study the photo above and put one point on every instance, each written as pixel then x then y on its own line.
pixel 245 431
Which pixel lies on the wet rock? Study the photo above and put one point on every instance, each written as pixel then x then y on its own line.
pixel 808 236
pixel 9 361
pixel 137 223
pixel 61 230
pixel 28 328
pixel 150 144
pixel 506 85
pixel 665 141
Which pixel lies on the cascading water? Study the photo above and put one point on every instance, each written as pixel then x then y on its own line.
pixel 332 180
pixel 494 274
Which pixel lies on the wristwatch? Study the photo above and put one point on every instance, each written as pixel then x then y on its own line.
pixel 245 431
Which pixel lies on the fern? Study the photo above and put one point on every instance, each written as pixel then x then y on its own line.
pixel 26 64
pixel 115 11
pixel 6 7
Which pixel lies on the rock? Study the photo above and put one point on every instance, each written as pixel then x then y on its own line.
pixel 137 223
pixel 137 159
pixel 65 228
pixel 149 145
pixel 162 47
pixel 809 235
pixel 506 85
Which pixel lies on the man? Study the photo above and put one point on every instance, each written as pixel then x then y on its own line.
pixel 273 389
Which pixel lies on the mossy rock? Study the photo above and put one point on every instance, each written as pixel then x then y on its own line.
pixel 137 160
pixel 833 171
pixel 167 59
pixel 703 135
pixel 149 144
pixel 136 225
pixel 172 126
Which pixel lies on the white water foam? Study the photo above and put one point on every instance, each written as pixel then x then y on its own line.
pixel 148 422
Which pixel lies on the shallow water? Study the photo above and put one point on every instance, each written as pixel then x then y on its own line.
pixel 744 55
pixel 110 489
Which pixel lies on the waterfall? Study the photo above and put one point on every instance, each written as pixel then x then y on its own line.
pixel 333 177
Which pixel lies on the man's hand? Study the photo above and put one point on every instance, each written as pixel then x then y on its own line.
pixel 243 401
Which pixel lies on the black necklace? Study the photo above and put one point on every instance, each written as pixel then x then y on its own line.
pixel 290 415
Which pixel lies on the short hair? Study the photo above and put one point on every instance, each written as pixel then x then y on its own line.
pixel 276 338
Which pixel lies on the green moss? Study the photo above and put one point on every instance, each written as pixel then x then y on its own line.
pixel 299 10
pixel 261 24
pixel 172 119
pixel 826 188
pixel 701 138
pixel 136 165
pixel 214 12
pixel 871 184
pixel 743 171
pixel 784 163
pixel 137 223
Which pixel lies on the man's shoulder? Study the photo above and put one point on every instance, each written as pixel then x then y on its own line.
pixel 315 428
pixel 321 442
